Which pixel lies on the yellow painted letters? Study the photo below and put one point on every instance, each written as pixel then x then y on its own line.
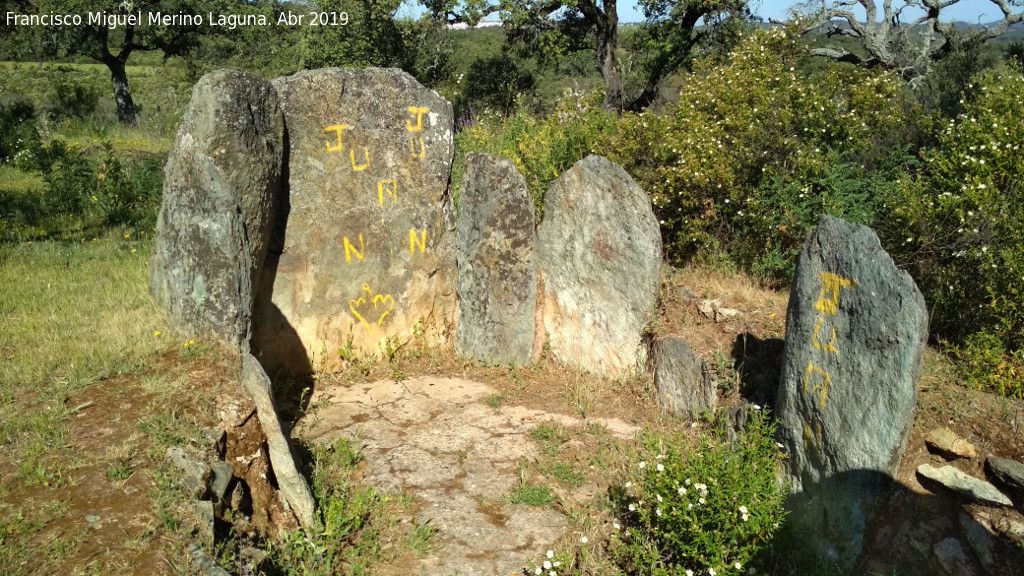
pixel 389 187
pixel 365 165
pixel 822 386
pixel 413 241
pixel 830 347
pixel 350 249
pixel 412 148
pixel 336 128
pixel 419 112
pixel 812 437
pixel 831 284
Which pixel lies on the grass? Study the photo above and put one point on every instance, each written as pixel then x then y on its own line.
pixel 71 314
pixel 530 494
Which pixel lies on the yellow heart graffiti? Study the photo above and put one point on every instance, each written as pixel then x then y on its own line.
pixel 383 302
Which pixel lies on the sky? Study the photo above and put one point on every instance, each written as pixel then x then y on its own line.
pixel 966 10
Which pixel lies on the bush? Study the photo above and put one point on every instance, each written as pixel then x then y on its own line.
pixel 756 149
pixel 982 363
pixel 707 512
pixel 960 219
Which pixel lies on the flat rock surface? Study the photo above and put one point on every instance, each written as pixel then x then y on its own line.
pixel 437 440
pixel 964 484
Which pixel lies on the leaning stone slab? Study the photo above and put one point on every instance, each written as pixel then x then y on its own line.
pixel 964 484
pixel 681 379
pixel 294 488
pixel 497 278
pixel 599 251
pixel 214 226
pixel 368 251
pixel 856 329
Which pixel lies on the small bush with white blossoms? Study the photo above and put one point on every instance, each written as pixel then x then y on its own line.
pixel 706 511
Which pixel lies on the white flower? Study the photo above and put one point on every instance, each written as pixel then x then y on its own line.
pixel 628 484
pixel 701 501
pixel 642 464
pixel 689 573
pixel 689 506
pixel 661 468
pixel 711 571
pixel 660 456
pixel 547 564
pixel 657 511
pixel 745 517
pixel 743 509
pixel 632 507
pixel 584 539
pixel 616 525
pixel 538 571
pixel 738 566
pixel 658 496
pixel 682 491
pixel 551 553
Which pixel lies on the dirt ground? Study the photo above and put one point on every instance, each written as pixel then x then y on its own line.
pixel 105 522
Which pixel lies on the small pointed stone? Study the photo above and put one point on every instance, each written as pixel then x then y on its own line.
pixel 946 441
pixel 964 484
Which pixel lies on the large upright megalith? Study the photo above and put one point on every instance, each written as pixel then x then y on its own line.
pixel 220 182
pixel 599 251
pixel 497 282
pixel 367 257
pixel 856 329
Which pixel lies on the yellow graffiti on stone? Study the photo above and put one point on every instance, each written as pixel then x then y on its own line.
pixel 831 284
pixel 389 187
pixel 412 149
pixel 830 347
pixel 365 165
pixel 822 387
pixel 336 128
pixel 812 437
pixel 413 241
pixel 350 249
pixel 382 304
pixel 419 112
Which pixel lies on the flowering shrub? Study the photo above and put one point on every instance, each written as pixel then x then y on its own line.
pixel 962 217
pixel 747 159
pixel 706 512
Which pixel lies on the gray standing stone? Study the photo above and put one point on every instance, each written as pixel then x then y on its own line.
pixel 856 329
pixel 220 183
pixel 599 251
pixel 497 282
pixel 368 254
pixel 681 379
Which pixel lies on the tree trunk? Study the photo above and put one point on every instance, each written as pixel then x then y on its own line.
pixel 122 93
pixel 607 63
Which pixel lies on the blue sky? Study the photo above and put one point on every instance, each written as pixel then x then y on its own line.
pixel 967 10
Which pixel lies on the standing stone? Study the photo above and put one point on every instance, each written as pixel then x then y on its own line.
pixel 497 282
pixel 220 183
pixel 681 379
pixel 856 329
pixel 368 255
pixel 599 251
